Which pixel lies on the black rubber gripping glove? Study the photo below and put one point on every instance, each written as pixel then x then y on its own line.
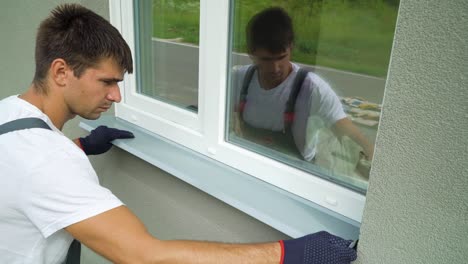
pixel 317 248
pixel 99 140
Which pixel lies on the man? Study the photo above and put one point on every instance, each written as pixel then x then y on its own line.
pixel 51 193
pixel 264 90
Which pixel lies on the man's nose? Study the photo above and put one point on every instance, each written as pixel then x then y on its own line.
pixel 275 66
pixel 114 94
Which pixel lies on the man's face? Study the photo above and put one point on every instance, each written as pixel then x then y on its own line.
pixel 274 68
pixel 95 90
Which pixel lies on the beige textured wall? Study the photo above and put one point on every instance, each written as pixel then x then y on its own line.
pixel 417 204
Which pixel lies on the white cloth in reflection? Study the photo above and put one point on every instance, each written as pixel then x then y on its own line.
pixel 338 157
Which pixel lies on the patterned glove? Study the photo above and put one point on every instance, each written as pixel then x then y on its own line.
pixel 99 140
pixel 317 248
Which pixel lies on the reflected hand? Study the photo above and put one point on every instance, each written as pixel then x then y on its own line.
pixel 318 248
pixel 364 164
pixel 364 156
pixel 99 140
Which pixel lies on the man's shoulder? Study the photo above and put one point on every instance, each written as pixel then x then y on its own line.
pixel 40 142
pixel 41 154
pixel 315 81
pixel 7 106
pixel 43 142
pixel 242 69
pixel 239 75
pixel 8 99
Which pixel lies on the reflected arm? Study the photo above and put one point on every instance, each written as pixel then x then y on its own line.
pixel 238 124
pixel 345 127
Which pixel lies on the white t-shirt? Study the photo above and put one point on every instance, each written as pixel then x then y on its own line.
pixel 265 108
pixel 47 184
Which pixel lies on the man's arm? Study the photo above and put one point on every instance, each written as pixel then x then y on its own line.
pixel 121 237
pixel 345 127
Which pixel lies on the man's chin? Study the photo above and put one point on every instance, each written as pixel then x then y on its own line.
pixel 279 78
pixel 91 116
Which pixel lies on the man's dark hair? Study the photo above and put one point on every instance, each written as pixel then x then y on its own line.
pixel 80 37
pixel 271 29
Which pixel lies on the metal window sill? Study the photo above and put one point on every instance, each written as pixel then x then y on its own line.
pixel 271 205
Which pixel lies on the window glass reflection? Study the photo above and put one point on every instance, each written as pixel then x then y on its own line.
pixel 168 41
pixel 307 82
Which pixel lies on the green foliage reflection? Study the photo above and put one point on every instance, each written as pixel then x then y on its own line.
pixel 350 35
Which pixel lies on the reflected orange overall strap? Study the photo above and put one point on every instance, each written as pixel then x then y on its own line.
pixel 74 252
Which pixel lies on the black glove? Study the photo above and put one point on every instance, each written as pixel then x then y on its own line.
pixel 318 248
pixel 99 140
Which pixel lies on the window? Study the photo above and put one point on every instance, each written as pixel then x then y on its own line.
pixel 191 60
pixel 347 57
pixel 168 51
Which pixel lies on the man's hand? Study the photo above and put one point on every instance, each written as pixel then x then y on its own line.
pixel 99 140
pixel 318 248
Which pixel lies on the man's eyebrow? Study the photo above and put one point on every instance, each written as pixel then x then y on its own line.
pixel 110 79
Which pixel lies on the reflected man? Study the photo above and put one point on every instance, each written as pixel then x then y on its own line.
pixel 275 97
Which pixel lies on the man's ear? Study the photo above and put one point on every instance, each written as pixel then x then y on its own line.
pixel 59 72
pixel 251 55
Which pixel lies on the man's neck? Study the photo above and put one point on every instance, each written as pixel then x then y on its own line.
pixel 48 104
pixel 268 84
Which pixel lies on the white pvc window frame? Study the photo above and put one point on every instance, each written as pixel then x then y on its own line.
pixel 205 132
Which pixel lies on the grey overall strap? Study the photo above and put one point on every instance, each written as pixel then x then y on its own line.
pixel 74 252
pixel 289 112
pixel 245 84
pixel 23 123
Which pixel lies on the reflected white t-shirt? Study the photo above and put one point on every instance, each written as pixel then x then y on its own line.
pixel 265 108
pixel 47 184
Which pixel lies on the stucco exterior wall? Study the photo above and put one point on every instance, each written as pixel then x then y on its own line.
pixel 417 204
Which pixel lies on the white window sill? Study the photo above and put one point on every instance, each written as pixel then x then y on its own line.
pixel 273 206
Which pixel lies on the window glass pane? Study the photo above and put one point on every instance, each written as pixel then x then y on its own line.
pixel 329 128
pixel 167 54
